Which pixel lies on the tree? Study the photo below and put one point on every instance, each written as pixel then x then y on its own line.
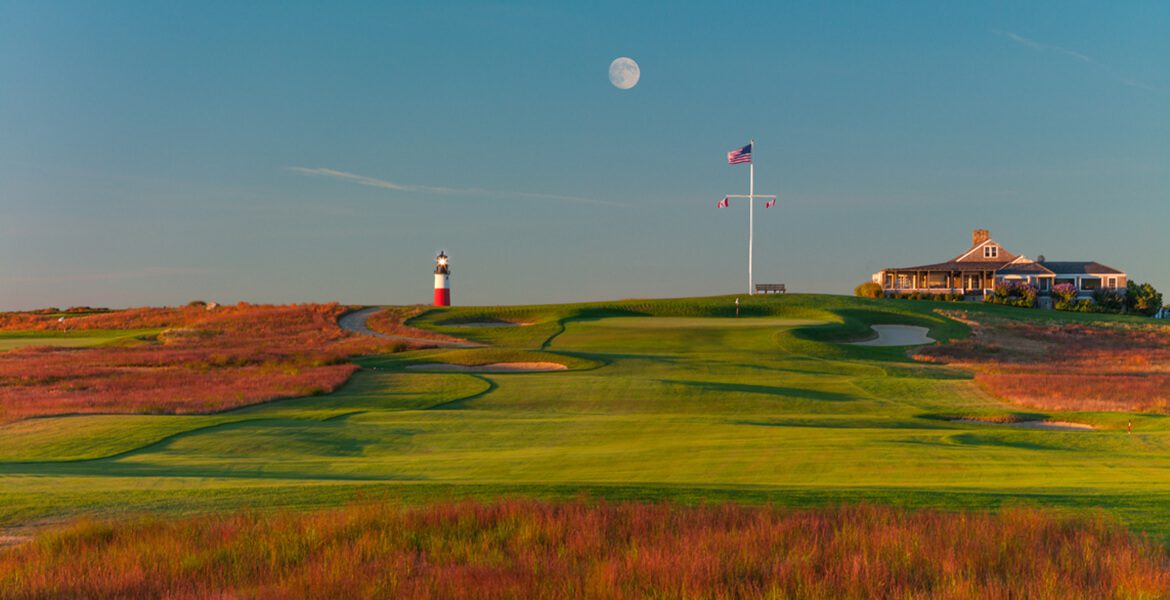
pixel 1142 299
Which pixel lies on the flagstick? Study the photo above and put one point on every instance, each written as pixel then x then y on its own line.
pixel 751 215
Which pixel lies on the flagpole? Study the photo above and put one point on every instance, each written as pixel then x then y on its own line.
pixel 736 157
pixel 751 215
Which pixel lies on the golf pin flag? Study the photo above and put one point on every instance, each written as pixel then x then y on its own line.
pixel 724 203
pixel 770 203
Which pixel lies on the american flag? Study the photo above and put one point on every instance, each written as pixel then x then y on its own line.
pixel 770 203
pixel 742 155
pixel 723 203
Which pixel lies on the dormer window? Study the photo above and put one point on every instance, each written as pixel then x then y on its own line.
pixel 991 252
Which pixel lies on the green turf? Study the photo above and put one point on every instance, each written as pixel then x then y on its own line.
pixel 11 340
pixel 663 399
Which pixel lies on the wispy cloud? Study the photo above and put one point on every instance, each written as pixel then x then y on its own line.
pixel 431 189
pixel 92 276
pixel 1042 47
pixel 1023 41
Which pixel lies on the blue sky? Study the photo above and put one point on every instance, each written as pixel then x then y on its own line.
pixel 287 152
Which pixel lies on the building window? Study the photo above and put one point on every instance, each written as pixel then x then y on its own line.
pixel 1090 283
pixel 1113 282
pixel 990 252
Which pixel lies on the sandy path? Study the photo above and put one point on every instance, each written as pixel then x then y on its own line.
pixel 355 322
pixel 14 540
pixel 898 335
pixel 487 324
pixel 508 367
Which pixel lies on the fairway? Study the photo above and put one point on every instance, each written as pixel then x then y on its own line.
pixel 11 340
pixel 669 399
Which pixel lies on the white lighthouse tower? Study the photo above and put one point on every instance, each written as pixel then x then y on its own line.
pixel 442 280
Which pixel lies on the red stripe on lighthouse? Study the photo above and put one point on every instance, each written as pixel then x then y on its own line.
pixel 442 297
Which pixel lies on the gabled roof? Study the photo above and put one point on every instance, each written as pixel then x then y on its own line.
pixel 1025 268
pixel 975 254
pixel 1080 267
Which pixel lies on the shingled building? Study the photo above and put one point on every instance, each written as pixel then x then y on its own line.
pixel 974 273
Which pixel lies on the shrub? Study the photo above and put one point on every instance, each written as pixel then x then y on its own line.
pixel 1010 293
pixel 868 289
pixel 1064 292
pixel 1142 299
pixel 939 297
pixel 84 309
pixel 1111 301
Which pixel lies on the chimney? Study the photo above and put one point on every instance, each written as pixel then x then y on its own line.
pixel 979 236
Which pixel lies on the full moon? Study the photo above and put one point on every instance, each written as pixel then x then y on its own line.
pixel 624 73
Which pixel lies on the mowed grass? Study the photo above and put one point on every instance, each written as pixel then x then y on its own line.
pixel 11 340
pixel 663 399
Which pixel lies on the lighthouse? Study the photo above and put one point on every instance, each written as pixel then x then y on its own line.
pixel 442 280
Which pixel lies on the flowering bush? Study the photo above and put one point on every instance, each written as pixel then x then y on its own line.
pixel 1065 295
pixel 1011 293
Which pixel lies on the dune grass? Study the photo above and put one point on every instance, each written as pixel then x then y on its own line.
pixel 664 399
pixel 202 362
pixel 527 549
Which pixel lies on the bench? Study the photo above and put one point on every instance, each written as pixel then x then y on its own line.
pixel 765 288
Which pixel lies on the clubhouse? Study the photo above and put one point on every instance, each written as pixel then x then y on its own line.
pixel 974 273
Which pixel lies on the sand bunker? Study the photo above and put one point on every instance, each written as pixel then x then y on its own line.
pixel 508 367
pixel 898 335
pixel 1049 425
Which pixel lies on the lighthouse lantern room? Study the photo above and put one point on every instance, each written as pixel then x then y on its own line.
pixel 442 280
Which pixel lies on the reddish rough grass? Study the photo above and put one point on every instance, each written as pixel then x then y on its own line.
pixel 206 361
pixel 529 549
pixel 1101 366
pixel 392 321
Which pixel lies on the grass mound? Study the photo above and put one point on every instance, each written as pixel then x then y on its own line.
pixel 529 549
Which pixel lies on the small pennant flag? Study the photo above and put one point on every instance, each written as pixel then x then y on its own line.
pixel 770 203
pixel 724 203
pixel 741 155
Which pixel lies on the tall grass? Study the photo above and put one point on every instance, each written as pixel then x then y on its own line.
pixel 530 549
pixel 392 321
pixel 205 361
pixel 1062 366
